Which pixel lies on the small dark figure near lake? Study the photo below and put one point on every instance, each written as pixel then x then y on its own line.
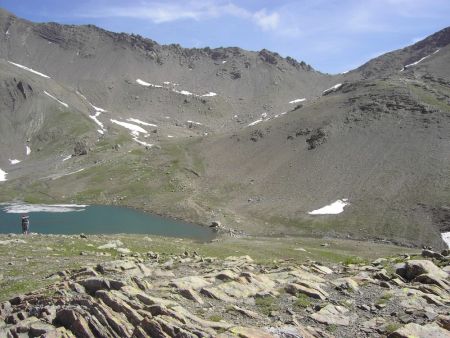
pixel 25 224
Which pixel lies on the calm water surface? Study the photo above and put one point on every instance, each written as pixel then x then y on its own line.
pixel 63 219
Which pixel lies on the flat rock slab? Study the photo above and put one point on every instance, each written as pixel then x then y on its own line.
pixel 332 315
pixel 190 282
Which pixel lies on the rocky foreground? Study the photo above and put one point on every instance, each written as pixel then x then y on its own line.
pixel 192 296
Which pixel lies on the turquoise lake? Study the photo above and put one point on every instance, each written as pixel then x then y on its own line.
pixel 95 219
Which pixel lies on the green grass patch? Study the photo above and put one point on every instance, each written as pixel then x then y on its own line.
pixel 302 301
pixel 215 318
pixel 266 304
pixel 354 260
pixel 393 326
pixel 384 299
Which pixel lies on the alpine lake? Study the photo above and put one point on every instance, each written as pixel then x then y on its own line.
pixel 96 219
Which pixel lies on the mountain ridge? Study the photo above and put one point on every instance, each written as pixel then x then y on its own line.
pixel 251 139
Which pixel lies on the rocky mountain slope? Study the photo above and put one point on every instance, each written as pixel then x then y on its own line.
pixel 251 139
pixel 190 295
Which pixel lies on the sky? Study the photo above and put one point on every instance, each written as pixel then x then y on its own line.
pixel 331 35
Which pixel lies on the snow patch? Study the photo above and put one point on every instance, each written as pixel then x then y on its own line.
pixel 166 83
pixel 12 162
pixel 3 175
pixel 141 122
pixel 67 158
pixel 183 92
pixel 135 130
pixel 446 238
pixel 170 136
pixel 97 109
pixel 142 142
pixel 332 209
pixel 193 122
pixel 223 62
pixel 254 122
pixel 96 120
pixel 29 69
pixel 54 98
pixel 297 100
pixel 418 61
pixel 28 150
pixel 332 89
pixel 210 94
pixel 26 208
pixel 146 84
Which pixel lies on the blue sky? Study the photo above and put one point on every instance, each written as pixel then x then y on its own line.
pixel 331 35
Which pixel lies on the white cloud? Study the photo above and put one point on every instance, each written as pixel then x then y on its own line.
pixel 266 21
pixel 163 12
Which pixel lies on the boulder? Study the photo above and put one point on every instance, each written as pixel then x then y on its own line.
pixel 94 284
pixel 431 254
pixel 332 315
pixel 428 278
pixel 346 283
pixel 413 268
pixel 422 331
pixel 295 289
pixel 321 269
pixel 38 329
pixel 80 148
pixel 191 295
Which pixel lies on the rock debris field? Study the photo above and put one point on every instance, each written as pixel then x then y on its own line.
pixel 148 295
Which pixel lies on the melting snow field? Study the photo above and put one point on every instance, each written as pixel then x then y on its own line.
pixel 28 150
pixel 182 92
pixel 297 100
pixel 446 238
pixel 54 98
pixel 26 208
pixel 141 122
pixel 3 175
pixel 12 162
pixel 29 69
pixel 332 209
pixel 135 130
